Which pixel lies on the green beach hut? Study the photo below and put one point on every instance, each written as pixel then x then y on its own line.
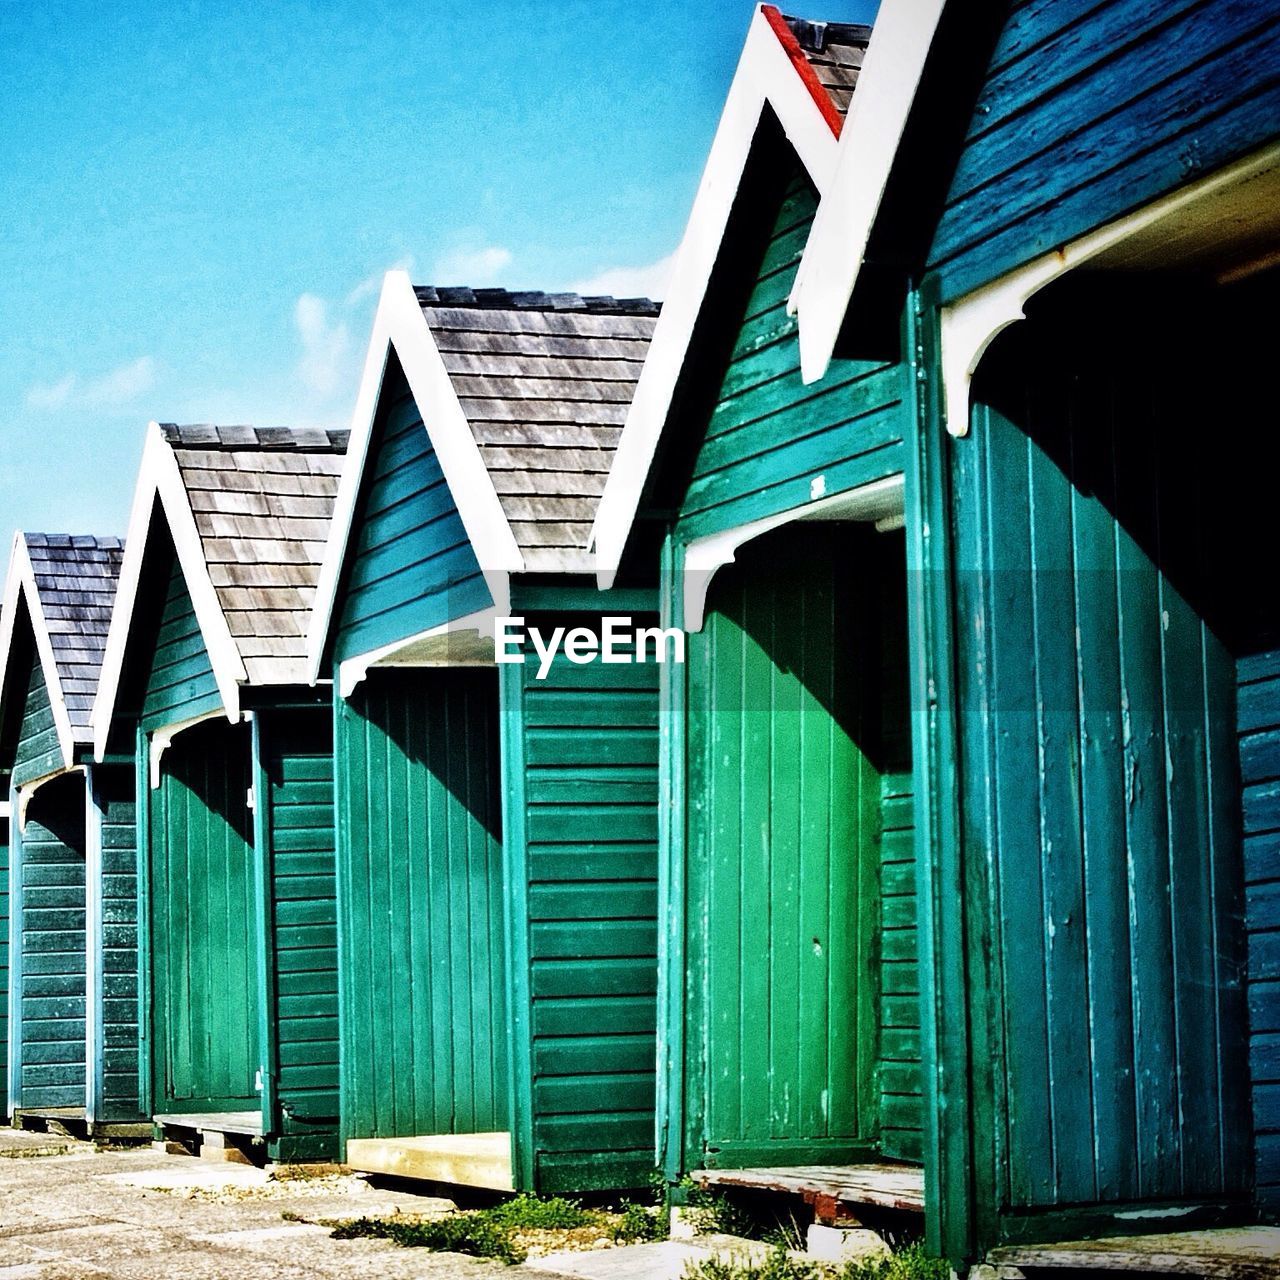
pixel 204 689
pixel 790 1015
pixel 496 830
pixel 1080 223
pixel 70 901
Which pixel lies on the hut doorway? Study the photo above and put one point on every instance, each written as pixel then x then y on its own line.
pixel 1117 632
pixel 803 1019
pixel 425 1031
pixel 49 958
pixel 204 976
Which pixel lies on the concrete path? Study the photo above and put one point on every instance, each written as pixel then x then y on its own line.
pixel 129 1215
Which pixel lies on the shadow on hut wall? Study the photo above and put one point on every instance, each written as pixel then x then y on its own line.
pixel 1156 403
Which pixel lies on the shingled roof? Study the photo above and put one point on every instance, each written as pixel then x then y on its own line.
pixel 262 499
pixel 835 51
pixel 544 381
pixel 75 581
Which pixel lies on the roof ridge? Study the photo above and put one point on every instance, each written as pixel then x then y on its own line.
pixel 494 299
pixel 73 541
pixel 208 435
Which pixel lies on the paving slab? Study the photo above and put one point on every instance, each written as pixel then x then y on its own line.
pixel 144 1215
pixel 663 1260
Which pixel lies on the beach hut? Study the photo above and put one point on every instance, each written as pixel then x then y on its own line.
pixel 497 823
pixel 789 1031
pixel 204 689
pixel 70 902
pixel 1088 279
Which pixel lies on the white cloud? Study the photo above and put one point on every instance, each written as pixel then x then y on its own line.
pixel 630 282
pixel 472 266
pixel 116 387
pixel 323 367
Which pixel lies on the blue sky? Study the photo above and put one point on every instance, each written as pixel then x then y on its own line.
pixel 198 200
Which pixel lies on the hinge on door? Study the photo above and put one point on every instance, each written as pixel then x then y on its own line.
pixel 250 800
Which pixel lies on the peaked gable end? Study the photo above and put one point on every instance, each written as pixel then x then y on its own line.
pixel 770 443
pixel 38 753
pixel 411 566
pixel 180 684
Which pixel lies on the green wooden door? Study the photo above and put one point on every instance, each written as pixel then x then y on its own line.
pixel 788 760
pixel 204 985
pixel 422 960
pixel 50 1011
pixel 1101 792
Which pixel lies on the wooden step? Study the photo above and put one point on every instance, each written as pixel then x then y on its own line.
pixel 463 1159
pixel 831 1189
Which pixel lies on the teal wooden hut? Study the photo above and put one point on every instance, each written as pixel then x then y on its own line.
pixel 69 901
pixel 496 831
pixel 204 688
pixel 1052 228
pixel 790 1016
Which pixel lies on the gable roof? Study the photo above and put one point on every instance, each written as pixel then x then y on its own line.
pixel 544 381
pixel 249 512
pixel 805 72
pixel 522 395
pixel 894 67
pixel 69 585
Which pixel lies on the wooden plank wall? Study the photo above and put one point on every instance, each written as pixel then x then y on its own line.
pixel 4 959
pixel 51 1006
pixel 769 437
pixel 38 751
pixel 119 1013
pixel 204 975
pixel 410 564
pixel 424 1017
pixel 788 856
pixel 590 794
pixel 1101 796
pixel 180 683
pixel 1091 110
pixel 298 757
pixel 1259 711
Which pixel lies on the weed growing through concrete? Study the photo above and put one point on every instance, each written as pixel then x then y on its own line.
pixel 911 1263
pixel 508 1231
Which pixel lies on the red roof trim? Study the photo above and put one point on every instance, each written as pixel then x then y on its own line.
pixel 804 68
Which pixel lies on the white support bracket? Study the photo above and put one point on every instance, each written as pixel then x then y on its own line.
pixel 162 740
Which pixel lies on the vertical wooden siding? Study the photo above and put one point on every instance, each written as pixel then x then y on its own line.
pixel 51 1005
pixel 588 787
pixel 119 960
pixel 298 757
pixel 786 860
pixel 424 1018
pixel 204 988
pixel 769 437
pixel 1259 710
pixel 180 684
pixel 410 566
pixel 1091 110
pixel 1100 795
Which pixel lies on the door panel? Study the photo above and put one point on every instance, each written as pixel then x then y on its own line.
pixel 202 934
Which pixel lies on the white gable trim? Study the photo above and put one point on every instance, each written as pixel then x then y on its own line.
pixel 765 75
pixel 160 477
pixel 400 326
pixel 887 86
pixel 22 581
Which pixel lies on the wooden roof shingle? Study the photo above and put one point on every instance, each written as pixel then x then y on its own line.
pixel 544 381
pixel 75 578
pixel 835 51
pixel 262 498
